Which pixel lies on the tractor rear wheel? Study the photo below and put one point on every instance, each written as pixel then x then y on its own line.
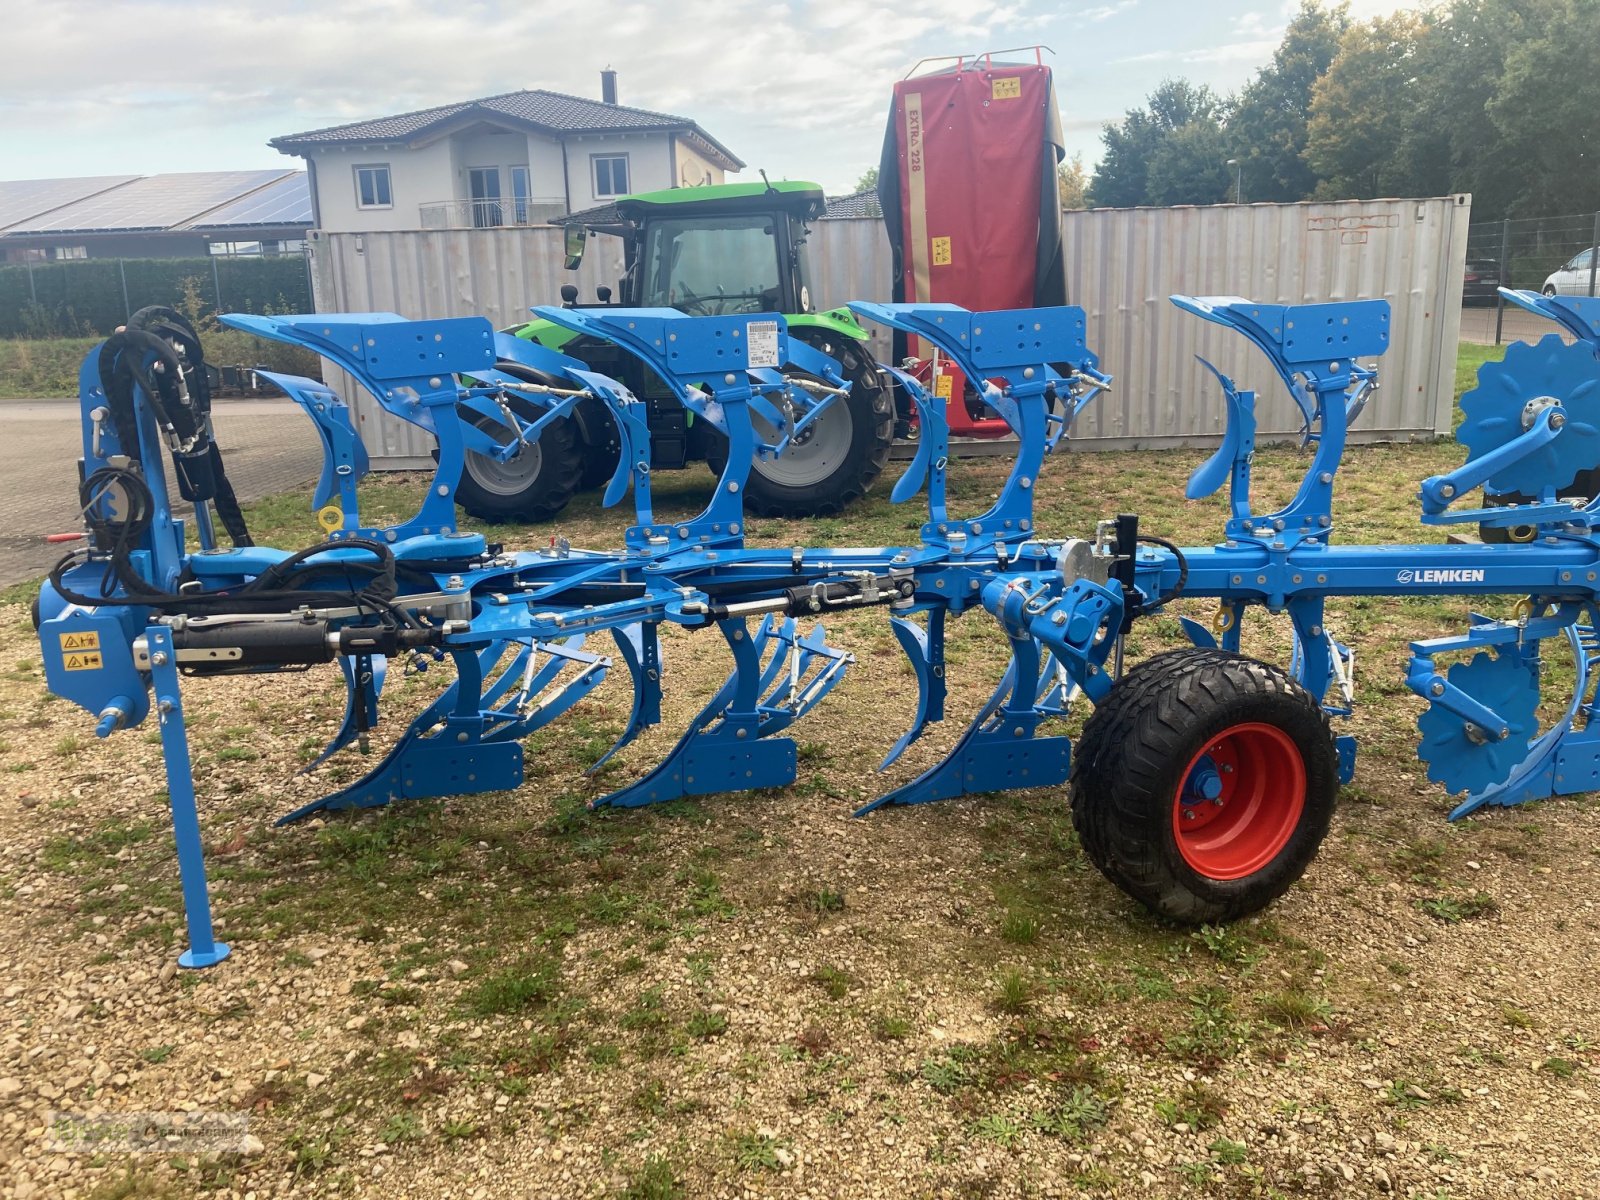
pixel 1205 784
pixel 837 458
pixel 538 481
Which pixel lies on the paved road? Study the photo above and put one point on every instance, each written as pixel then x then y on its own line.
pixel 268 446
pixel 1520 325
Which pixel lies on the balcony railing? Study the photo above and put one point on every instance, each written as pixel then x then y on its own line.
pixel 490 214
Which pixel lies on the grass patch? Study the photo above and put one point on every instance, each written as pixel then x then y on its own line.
pixel 1198 1106
pixel 758 1151
pixel 654 1179
pixel 1452 910
pixel 1013 992
pixel 528 983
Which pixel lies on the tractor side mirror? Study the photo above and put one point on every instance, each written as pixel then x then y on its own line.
pixel 576 235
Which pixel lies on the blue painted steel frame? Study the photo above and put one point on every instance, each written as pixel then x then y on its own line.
pixel 520 619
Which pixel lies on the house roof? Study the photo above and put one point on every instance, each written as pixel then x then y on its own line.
pixel 859 204
pixel 284 201
pixel 176 200
pixel 546 112
pixel 21 199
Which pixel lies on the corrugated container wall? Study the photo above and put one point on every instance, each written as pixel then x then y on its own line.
pixel 1122 265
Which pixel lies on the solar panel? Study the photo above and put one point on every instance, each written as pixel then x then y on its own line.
pixel 24 198
pixel 154 202
pixel 286 202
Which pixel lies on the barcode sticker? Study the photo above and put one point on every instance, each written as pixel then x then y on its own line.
pixel 763 343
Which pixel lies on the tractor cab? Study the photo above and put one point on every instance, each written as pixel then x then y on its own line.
pixel 708 251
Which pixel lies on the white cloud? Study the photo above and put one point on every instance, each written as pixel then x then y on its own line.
pixel 1251 51
pixel 790 73
pixel 1105 11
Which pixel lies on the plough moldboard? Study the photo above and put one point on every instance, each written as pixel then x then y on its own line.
pixel 1202 783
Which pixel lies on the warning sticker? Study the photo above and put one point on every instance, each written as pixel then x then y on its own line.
pixel 79 641
pixel 86 661
pixel 941 252
pixel 943 386
pixel 763 343
pixel 1006 89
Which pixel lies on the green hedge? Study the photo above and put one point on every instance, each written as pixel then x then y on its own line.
pixel 85 297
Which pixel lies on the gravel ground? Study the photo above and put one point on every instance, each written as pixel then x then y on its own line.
pixel 500 996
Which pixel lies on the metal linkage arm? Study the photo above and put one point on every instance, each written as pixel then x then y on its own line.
pixel 708 363
pixel 1009 356
pixel 1438 492
pixel 410 368
pixel 1313 348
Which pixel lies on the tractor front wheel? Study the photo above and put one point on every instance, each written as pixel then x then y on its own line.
pixel 1204 784
pixel 836 459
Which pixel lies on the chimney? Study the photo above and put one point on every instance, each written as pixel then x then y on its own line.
pixel 608 86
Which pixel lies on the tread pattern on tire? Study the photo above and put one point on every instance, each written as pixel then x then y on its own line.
pixel 1124 778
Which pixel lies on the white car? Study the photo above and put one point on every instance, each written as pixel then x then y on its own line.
pixel 1572 277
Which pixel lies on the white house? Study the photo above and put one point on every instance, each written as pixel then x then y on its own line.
pixel 516 159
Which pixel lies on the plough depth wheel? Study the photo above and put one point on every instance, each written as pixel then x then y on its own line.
pixel 1204 784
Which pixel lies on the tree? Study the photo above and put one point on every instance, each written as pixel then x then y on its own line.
pixel 1267 132
pixel 1072 182
pixel 1544 111
pixel 1451 139
pixel 1122 179
pixel 1360 110
pixel 868 180
pixel 1190 166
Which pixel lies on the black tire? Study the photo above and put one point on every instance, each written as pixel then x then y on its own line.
pixel 852 439
pixel 1151 744
pixel 533 486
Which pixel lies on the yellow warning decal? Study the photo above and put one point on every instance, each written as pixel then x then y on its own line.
pixel 89 661
pixel 1006 89
pixel 79 641
pixel 943 386
pixel 941 252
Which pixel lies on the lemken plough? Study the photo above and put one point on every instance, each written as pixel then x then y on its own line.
pixel 1204 780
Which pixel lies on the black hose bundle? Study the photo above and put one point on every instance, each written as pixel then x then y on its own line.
pixel 159 352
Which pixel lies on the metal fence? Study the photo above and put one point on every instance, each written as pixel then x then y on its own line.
pixel 89 297
pixel 1122 266
pixel 1555 255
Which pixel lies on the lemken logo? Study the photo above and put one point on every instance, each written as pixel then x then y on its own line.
pixel 1440 575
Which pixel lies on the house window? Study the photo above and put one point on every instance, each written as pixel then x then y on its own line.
pixel 372 187
pixel 519 195
pixel 610 174
pixel 63 252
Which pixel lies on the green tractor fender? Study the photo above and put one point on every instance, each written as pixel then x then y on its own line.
pixel 840 321
pixel 546 333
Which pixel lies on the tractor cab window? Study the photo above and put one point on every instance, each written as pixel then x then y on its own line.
pixel 712 266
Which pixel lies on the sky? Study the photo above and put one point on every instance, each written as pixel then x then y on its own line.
pixel 800 88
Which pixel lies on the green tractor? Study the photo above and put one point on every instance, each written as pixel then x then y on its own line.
pixel 719 250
